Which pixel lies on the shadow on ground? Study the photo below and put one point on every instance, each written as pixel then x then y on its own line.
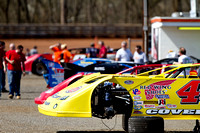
pixel 90 132
pixel 116 132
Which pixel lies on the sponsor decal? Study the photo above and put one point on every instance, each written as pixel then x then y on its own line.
pixel 171 106
pixel 55 106
pixel 84 62
pixel 149 106
pixel 173 111
pixel 150 102
pixel 138 103
pixel 137 112
pixel 99 68
pixel 156 88
pixel 50 64
pixel 137 97
pixel 64 98
pixel 50 90
pixel 55 96
pixel 161 102
pixel 138 107
pixel 164 96
pixel 136 92
pixel 161 107
pixel 73 89
pixel 128 82
pixel 46 103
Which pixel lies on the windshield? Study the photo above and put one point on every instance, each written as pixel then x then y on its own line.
pixel 93 80
pixel 158 71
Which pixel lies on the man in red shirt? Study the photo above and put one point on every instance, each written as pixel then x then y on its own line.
pixel 2 63
pixel 15 59
pixel 103 50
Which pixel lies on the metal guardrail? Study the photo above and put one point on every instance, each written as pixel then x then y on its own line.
pixel 70 30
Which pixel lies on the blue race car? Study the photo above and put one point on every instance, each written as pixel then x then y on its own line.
pixel 56 73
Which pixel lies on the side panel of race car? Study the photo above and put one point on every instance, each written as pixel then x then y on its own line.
pixel 44 95
pixel 167 98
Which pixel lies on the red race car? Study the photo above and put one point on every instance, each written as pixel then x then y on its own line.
pixel 35 65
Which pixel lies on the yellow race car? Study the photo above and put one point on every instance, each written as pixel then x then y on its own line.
pixel 170 92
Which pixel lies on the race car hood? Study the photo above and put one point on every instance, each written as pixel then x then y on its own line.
pixel 74 100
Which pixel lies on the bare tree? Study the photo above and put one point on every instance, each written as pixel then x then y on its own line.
pixel 6 11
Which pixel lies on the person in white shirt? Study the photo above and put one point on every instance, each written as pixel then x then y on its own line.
pixel 183 59
pixel 123 54
pixel 139 56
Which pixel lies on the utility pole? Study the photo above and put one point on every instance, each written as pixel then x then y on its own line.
pixel 62 12
pixel 145 26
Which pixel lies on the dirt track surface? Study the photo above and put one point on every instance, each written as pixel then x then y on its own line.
pixel 22 116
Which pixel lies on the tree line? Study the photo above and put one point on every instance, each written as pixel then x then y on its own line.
pixel 86 11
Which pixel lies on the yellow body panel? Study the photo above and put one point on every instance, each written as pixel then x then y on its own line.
pixel 78 99
pixel 170 98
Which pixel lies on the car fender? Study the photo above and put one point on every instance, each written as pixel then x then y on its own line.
pixel 75 100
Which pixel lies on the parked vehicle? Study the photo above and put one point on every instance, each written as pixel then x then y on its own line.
pixel 133 70
pixel 144 99
pixel 56 73
pixel 35 65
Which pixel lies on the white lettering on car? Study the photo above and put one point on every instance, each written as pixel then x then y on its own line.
pixel 173 111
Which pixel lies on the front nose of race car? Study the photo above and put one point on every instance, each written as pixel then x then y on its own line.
pixel 72 102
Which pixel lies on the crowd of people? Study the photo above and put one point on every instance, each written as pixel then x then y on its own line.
pixel 123 54
pixel 13 60
pixel 61 53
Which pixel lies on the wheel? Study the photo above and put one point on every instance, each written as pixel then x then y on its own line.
pixel 39 68
pixel 145 125
pixel 125 122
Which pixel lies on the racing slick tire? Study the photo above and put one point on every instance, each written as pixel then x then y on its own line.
pixel 39 68
pixel 125 122
pixel 146 124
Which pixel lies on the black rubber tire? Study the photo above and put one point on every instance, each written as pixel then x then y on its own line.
pixel 39 68
pixel 145 125
pixel 125 122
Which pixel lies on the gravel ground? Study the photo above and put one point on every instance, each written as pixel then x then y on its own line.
pixel 22 116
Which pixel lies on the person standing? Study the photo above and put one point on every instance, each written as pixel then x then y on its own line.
pixel 183 58
pixel 103 50
pixel 15 59
pixel 34 50
pixel 56 48
pixel 139 56
pixel 2 63
pixel 123 54
pixel 92 52
pixel 27 53
pixel 65 55
pixel 3 85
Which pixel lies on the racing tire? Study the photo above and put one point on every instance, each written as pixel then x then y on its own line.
pixel 125 122
pixel 39 68
pixel 145 125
